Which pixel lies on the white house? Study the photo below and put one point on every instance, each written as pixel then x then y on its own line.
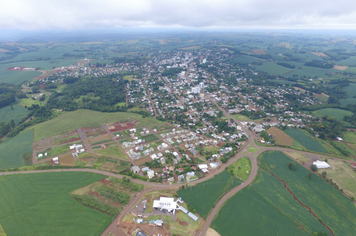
pixel 150 174
pixel 166 203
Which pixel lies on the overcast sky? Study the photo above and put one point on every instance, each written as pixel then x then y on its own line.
pixel 85 14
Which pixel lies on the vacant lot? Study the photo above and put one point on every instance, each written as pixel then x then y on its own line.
pixel 66 160
pixel 340 67
pixel 268 204
pixel 213 188
pixel 70 121
pixel 259 51
pixel 100 139
pixel 40 204
pixel 320 54
pixel 13 151
pixel 113 151
pixel 342 174
pixel 304 139
pixel 280 137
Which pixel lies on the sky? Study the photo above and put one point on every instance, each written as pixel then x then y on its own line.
pixel 34 15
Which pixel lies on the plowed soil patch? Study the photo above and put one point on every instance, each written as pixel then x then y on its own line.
pixel 280 137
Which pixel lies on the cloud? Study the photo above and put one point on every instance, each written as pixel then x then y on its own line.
pixel 81 14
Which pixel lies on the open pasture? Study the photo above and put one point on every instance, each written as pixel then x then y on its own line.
pixel 269 205
pixel 40 204
pixel 343 175
pixel 241 168
pixel 113 150
pixel 213 188
pixel 70 121
pixel 338 114
pixel 100 139
pixel 304 139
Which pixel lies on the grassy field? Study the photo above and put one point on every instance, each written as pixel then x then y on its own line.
pixel 252 149
pixel 343 175
pixel 350 139
pixel 241 117
pixel 113 151
pixel 332 112
pixel 213 188
pixel 268 205
pixel 12 150
pixel 40 204
pixel 240 169
pixel 70 121
pixel 305 140
pixel 17 113
pixel 301 157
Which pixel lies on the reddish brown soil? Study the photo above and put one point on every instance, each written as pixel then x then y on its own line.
pixel 121 126
pixel 310 210
pixel 183 223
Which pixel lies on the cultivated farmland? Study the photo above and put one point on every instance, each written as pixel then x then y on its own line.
pixel 305 140
pixel 40 204
pixel 17 113
pixel 15 151
pixel 268 204
pixel 280 137
pixel 213 188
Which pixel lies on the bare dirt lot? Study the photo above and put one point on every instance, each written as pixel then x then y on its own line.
pixel 259 51
pixel 212 232
pixel 340 67
pixel 143 161
pixel 280 137
pixel 320 54
pixel 120 126
pixel 66 160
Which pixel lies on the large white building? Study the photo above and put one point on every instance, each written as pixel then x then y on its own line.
pixel 166 203
pixel 321 164
pixel 196 90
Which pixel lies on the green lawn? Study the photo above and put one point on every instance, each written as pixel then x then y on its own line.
pixel 149 138
pixel 252 149
pixel 267 208
pixel 40 204
pixel 241 168
pixel 70 121
pixel 305 140
pixel 209 190
pixel 17 113
pixel 12 150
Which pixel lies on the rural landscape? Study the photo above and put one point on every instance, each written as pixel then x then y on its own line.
pixel 217 133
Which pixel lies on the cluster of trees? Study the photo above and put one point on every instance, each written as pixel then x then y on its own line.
pixel 107 91
pixel 287 65
pixel 96 203
pixel 328 128
pixel 171 71
pixel 9 93
pixel 320 64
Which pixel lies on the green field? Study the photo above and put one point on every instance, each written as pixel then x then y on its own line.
pixel 332 112
pixel 213 188
pixel 305 140
pixel 252 149
pixel 240 169
pixel 350 139
pixel 12 150
pixel 17 113
pixel 268 205
pixel 70 121
pixel 149 138
pixel 40 204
